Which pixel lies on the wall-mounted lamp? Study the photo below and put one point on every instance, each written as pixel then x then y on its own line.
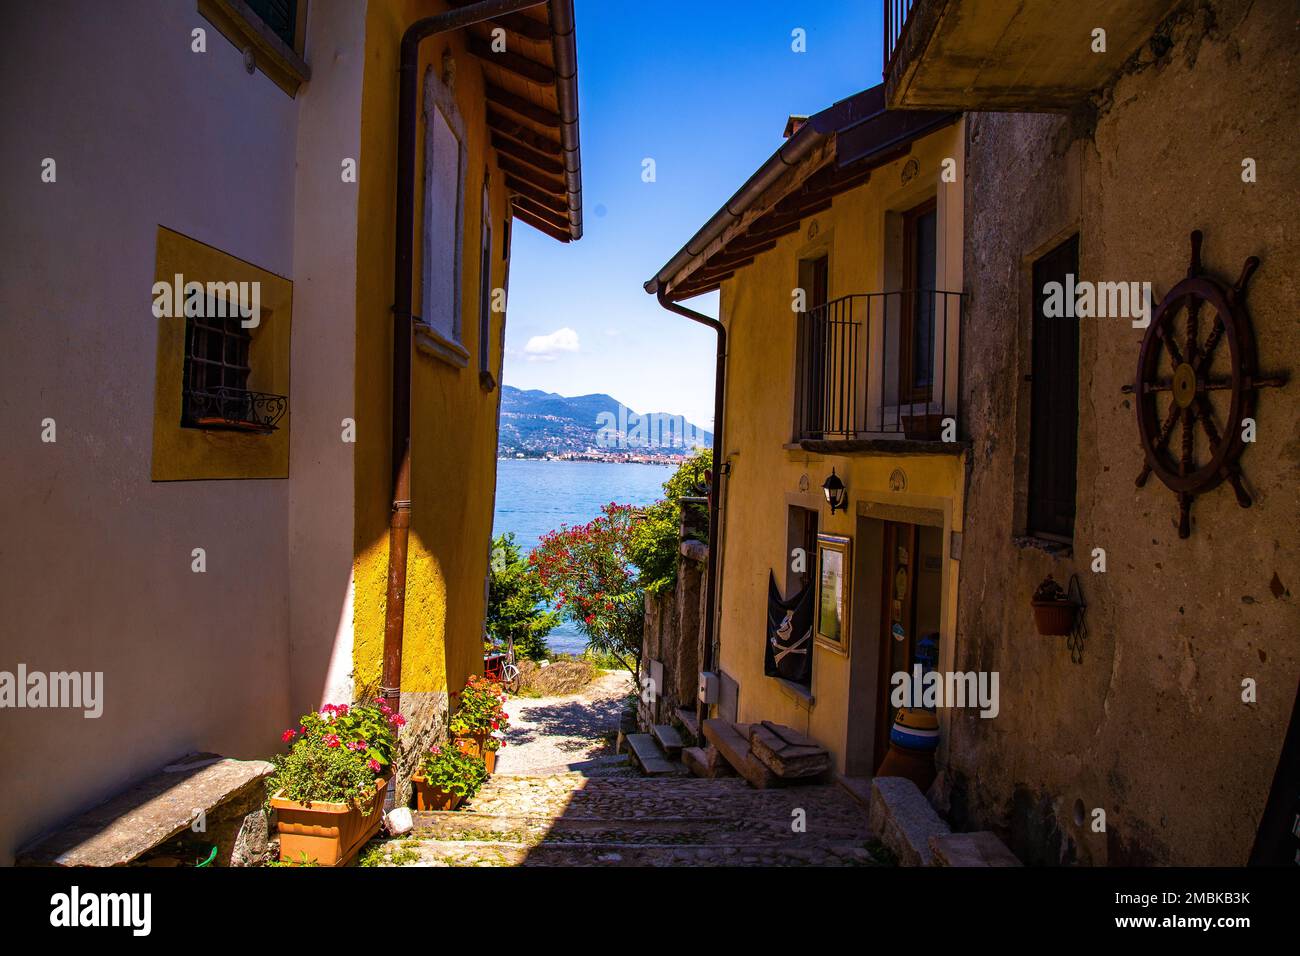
pixel 834 491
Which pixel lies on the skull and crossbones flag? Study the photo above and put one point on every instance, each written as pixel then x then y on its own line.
pixel 789 637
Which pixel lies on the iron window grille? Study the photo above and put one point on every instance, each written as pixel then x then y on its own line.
pixel 215 392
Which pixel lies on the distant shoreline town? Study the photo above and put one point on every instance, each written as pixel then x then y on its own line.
pixel 600 455
pixel 545 426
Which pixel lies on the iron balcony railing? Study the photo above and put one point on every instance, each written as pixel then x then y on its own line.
pixel 896 14
pixel 235 409
pixel 879 364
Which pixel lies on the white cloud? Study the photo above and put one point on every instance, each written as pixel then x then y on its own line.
pixel 547 348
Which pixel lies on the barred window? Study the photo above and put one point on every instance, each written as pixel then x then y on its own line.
pixel 216 366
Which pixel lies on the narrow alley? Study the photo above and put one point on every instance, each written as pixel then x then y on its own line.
pixel 562 797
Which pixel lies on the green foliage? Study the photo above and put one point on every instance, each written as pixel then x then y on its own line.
pixel 395 852
pixel 451 771
pixel 480 708
pixel 654 546
pixel 314 772
pixel 337 753
pixel 518 601
pixel 367 730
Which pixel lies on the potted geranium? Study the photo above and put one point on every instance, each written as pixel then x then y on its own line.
pixel 480 714
pixel 328 791
pixel 447 776
pixel 1054 612
pixel 491 744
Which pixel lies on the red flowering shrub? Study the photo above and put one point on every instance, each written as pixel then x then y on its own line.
pixel 590 569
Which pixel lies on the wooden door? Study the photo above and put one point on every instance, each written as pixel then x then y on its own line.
pixel 916 315
pixel 898 617
pixel 814 279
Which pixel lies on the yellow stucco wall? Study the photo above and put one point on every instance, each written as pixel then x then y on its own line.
pixel 182 454
pixel 453 417
pixel 767 469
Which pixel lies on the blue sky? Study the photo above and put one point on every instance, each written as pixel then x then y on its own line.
pixel 704 89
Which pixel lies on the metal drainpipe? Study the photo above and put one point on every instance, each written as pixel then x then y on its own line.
pixel 399 522
pixel 715 491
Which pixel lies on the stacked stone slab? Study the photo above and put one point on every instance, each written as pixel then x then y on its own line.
pixel 786 752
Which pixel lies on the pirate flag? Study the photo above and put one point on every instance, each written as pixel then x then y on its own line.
pixel 789 634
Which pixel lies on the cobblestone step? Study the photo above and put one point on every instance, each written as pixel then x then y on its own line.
pixel 465 853
pixel 569 830
pixel 572 819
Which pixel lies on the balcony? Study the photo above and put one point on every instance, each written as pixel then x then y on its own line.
pixel 1035 55
pixel 879 367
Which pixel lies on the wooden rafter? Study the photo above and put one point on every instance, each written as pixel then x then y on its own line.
pixel 511 62
pixel 517 131
pixel 522 107
pixel 537 223
pixel 526 154
pixel 530 175
pixel 516 23
pixel 544 199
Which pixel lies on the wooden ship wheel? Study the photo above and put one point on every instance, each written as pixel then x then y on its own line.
pixel 1203 388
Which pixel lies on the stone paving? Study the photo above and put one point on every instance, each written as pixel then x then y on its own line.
pixel 554 734
pixel 561 798
pixel 570 819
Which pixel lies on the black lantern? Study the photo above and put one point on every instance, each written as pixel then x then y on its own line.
pixel 833 489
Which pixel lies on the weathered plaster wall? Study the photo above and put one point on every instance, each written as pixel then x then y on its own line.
pixel 673 634
pixel 767 472
pixel 1151 726
pixel 95 560
pixel 453 419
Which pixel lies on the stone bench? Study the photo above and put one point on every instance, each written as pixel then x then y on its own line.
pixel 971 849
pixel 145 817
pixel 904 821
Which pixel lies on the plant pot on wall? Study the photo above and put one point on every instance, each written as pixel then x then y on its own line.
pixel 1054 611
pixel 326 833
pixel 429 797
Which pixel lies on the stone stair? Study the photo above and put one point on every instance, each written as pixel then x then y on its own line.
pixel 571 819
pixel 653 759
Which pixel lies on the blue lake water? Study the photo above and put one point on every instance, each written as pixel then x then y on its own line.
pixel 534 497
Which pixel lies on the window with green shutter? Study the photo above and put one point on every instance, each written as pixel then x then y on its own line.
pixel 280 15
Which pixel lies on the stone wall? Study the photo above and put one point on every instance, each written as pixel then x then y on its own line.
pixel 1151 727
pixel 673 636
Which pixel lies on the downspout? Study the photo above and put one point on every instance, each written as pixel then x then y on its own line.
pixel 399 522
pixel 715 490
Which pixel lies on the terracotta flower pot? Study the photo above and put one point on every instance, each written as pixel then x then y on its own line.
pixel 328 833
pixel 490 760
pixel 1054 618
pixel 916 765
pixel 429 797
pixel 472 743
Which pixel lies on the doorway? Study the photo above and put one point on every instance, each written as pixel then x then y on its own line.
pixel 912 561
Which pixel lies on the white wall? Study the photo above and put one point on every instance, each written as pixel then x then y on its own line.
pixel 95 558
pixel 324 360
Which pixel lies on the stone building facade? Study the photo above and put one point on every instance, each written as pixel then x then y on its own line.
pixel 1167 726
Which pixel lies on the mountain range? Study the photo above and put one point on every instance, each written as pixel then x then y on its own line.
pixel 536 423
